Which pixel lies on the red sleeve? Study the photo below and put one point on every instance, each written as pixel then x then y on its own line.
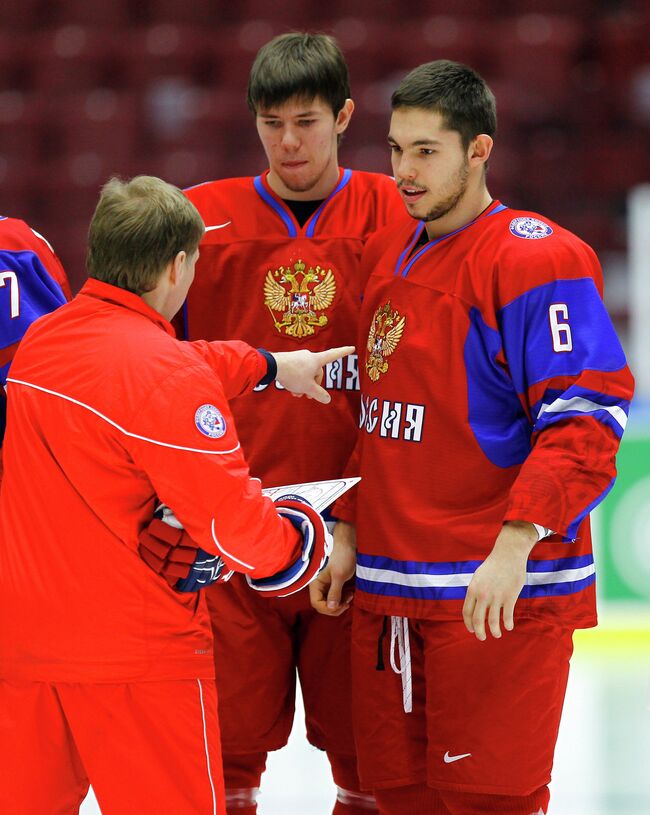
pixel 186 443
pixel 238 365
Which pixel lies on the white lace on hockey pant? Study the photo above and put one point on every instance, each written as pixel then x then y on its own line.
pixel 240 798
pixel 361 800
pixel 399 633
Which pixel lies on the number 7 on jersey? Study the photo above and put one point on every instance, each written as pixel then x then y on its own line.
pixel 13 289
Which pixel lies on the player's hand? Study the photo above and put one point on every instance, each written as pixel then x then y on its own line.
pixel 326 591
pixel 301 372
pixel 205 570
pixel 498 581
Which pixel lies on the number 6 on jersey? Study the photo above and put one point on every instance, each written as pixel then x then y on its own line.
pixel 561 332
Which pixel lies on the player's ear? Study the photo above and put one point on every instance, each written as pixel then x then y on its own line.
pixel 176 268
pixel 479 149
pixel 344 116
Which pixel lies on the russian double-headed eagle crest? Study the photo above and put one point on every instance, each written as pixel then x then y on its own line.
pixel 298 294
pixel 385 333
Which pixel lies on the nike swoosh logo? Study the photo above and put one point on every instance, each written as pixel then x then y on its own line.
pixel 449 759
pixel 217 226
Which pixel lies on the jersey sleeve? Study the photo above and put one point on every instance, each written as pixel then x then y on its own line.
pixel 32 283
pixel 239 366
pixel 186 443
pixel 570 373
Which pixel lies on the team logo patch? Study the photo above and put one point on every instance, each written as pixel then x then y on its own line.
pixel 530 228
pixel 385 333
pixel 210 421
pixel 295 296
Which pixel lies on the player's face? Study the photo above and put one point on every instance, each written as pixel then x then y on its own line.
pixel 300 141
pixel 430 166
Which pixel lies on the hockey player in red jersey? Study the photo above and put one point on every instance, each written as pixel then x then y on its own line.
pixel 280 265
pixel 494 393
pixel 32 283
pixel 106 667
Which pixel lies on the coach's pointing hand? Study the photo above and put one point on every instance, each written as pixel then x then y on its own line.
pixel 301 372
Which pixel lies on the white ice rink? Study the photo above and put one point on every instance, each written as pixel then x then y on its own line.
pixel 602 762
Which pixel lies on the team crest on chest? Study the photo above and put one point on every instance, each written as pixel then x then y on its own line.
pixel 298 296
pixel 385 333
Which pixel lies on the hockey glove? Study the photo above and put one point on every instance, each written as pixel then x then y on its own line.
pixel 316 549
pixel 167 549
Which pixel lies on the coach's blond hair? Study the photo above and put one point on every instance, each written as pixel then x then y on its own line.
pixel 139 226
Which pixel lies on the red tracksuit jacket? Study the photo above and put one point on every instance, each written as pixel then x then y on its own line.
pixel 107 414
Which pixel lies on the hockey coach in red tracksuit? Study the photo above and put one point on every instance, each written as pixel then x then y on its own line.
pixel 106 666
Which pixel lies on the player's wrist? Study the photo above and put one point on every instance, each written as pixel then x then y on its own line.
pixel 520 536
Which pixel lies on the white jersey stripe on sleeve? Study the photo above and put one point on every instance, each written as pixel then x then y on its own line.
pixel 581 405
pixel 118 427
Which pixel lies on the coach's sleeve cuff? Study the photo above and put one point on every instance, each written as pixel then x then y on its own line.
pixel 271 368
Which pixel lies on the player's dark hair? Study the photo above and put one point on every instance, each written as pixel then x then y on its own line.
pixel 457 92
pixel 302 65
pixel 139 226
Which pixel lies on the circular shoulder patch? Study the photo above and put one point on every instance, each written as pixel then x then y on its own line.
pixel 210 421
pixel 530 228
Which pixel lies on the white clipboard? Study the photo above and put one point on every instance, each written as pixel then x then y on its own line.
pixel 320 494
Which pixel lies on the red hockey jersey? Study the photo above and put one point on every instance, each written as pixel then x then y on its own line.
pixel 107 414
pixel 493 387
pixel 264 279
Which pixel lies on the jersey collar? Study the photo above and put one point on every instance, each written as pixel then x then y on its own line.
pixel 126 299
pixel 265 192
pixel 405 262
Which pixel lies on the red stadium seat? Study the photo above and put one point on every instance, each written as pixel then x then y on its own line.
pixel 103 121
pixel 72 58
pixel 165 50
pixel 538 52
pixel 25 15
pixel 445 36
pixel 20 136
pixel 623 45
pixel 107 14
